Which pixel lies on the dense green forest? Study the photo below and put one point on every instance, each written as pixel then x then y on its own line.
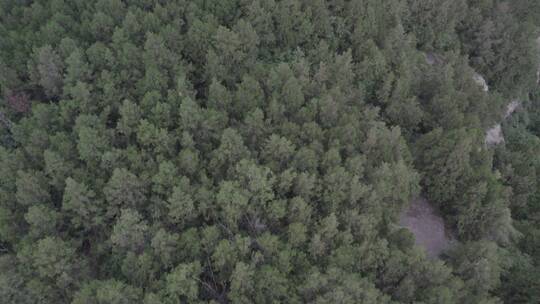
pixel 261 151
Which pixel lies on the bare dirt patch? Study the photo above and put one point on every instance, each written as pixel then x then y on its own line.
pixel 428 227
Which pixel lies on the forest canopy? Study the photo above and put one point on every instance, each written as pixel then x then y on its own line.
pixel 262 151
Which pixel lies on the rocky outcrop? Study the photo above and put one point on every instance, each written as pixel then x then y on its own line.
pixel 511 108
pixel 480 81
pixel 433 59
pixel 494 135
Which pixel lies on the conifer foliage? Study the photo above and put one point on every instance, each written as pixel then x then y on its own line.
pixel 261 151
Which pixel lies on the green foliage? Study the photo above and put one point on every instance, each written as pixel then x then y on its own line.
pixel 109 291
pixel 262 151
pixel 182 284
pixel 129 232
pixel 480 266
pixel 80 205
pixel 49 70
pixel 124 189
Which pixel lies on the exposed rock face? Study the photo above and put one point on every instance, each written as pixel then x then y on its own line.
pixel 480 81
pixel 430 58
pixel 494 135
pixel 433 59
pixel 511 108
pixel 428 228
